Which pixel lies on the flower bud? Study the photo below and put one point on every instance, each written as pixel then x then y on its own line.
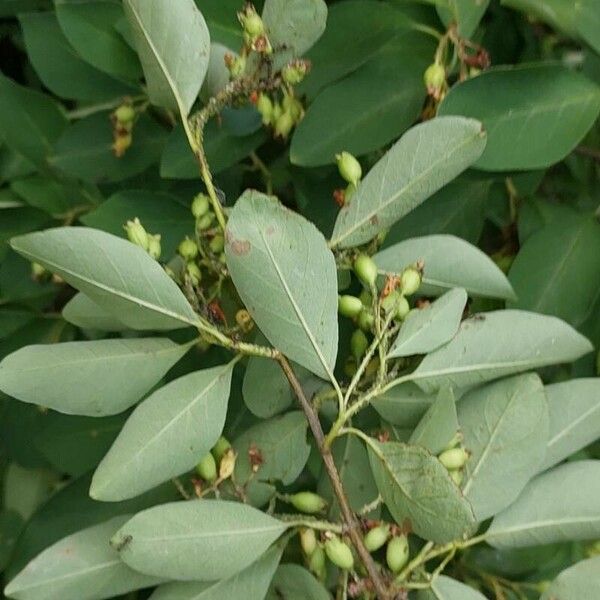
pixel 358 344
pixel 316 563
pixel 205 221
pixel 349 167
pixel 295 71
pixel 365 269
pixel 349 306
pixel 455 458
pixel 308 502
pixel 227 464
pixel 397 553
pixel 125 113
pixel 188 249
pixel 377 537
pixel 219 449
pixel 236 65
pixel 366 320
pixel 339 553
pixel 251 22
pixel 194 273
pixel 136 233
pixel 154 248
pixel 264 105
pixel 284 125
pixel 207 468
pixel 308 540
pixel 434 78
pixel 410 281
pixel 200 205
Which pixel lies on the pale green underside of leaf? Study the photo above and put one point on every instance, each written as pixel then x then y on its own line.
pixel 505 427
pixel 579 582
pixel 419 493
pixel 404 404
pixel 425 330
pixel 88 378
pixel 422 161
pixel 85 313
pixel 174 46
pixel 286 277
pixel 119 276
pixel 166 435
pixel 81 566
pixel 560 505
pixel 202 540
pixel 445 588
pixel 449 262
pixel 499 343
pixel 293 582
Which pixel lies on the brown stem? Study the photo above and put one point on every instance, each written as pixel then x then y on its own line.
pixel 348 516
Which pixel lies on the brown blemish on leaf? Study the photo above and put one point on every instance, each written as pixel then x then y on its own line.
pixel 406 526
pixel 374 220
pixel 270 230
pixel 238 247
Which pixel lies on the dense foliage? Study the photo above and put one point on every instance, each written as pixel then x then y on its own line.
pixel 300 300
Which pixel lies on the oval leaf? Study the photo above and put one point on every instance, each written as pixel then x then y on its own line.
pixel 85 313
pixel 117 275
pixel 97 378
pixel 264 245
pixel 446 588
pixel 200 540
pixel 423 160
pixel 293 582
pixel 579 582
pixel 166 435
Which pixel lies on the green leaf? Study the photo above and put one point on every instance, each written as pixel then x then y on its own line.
pixel 88 378
pixel 60 68
pixel 158 212
pixel 534 114
pixel 85 150
pixel 425 159
pixel 263 243
pixel 200 540
pixel 557 269
pixel 174 46
pixel 281 444
pixel 505 428
pixel 222 21
pixel 166 435
pixel 30 122
pixel 449 262
pixel 465 13
pixel 587 21
pixel 499 343
pixel 11 525
pixel 560 505
pixel 439 425
pixel 579 582
pixel 251 583
pixel 293 26
pixel 117 275
pixel 387 95
pixel 81 566
pixel 90 28
pixel 426 329
pixel 403 405
pixel 85 313
pixel 559 14
pixel 574 408
pixel 445 588
pixel 419 493
pixel 293 582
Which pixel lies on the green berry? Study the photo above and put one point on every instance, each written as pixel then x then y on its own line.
pixel 366 320
pixel 219 449
pixel 358 344
pixel 217 244
pixel 200 205
pixel 205 221
pixel 236 66
pixel 390 302
pixel 377 537
pixel 252 23
pixel 284 124
pixel 294 72
pixel 349 306
pixel 207 468
pixel 194 273
pixel 188 249
pixel 264 105
pixel 154 248
pixel 339 553
pixel 125 113
pixel 136 233
pixel 397 553
pixel 308 502
pixel 366 298
pixel 455 458
pixel 402 309
pixel 308 540
pixel 316 563
pixel 365 269
pixel 349 167
pixel 434 76
pixel 410 281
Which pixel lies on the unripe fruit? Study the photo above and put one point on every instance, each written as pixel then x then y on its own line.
pixel 308 540
pixel 339 553
pixel 397 553
pixel 454 458
pixel 265 108
pixel 294 107
pixel 236 66
pixel 365 269
pixel 349 167
pixel 200 205
pixel 219 449
pixel 316 563
pixel 205 221
pixel 295 71
pixel 188 249
pixel 403 309
pixel 194 273
pixel 125 113
pixel 410 281
pixel 358 344
pixel 284 125
pixel 308 502
pixel 227 464
pixel 390 302
pixel 377 537
pixel 349 306
pixel 434 76
pixel 207 468
pixel 252 23
pixel 457 476
pixel 365 320
pixel 217 244
pixel 136 233
pixel 154 248
pixel 366 298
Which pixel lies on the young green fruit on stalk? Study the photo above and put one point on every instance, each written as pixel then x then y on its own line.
pixel 349 306
pixel 410 281
pixel 365 320
pixel 207 468
pixel 193 272
pixel 453 459
pixel 316 563
pixel 136 233
pixel 349 167
pixel 125 113
pixel 308 540
pixel 339 553
pixel 200 205
pixel 358 344
pixel 154 248
pixel 264 105
pixel 377 537
pixel 397 553
pixel 220 448
pixel 365 269
pixel 308 502
pixel 188 249
pixel 284 124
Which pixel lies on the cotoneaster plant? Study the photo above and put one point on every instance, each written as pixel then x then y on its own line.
pixel 296 414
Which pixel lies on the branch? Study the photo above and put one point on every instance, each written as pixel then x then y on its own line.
pixel 348 516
